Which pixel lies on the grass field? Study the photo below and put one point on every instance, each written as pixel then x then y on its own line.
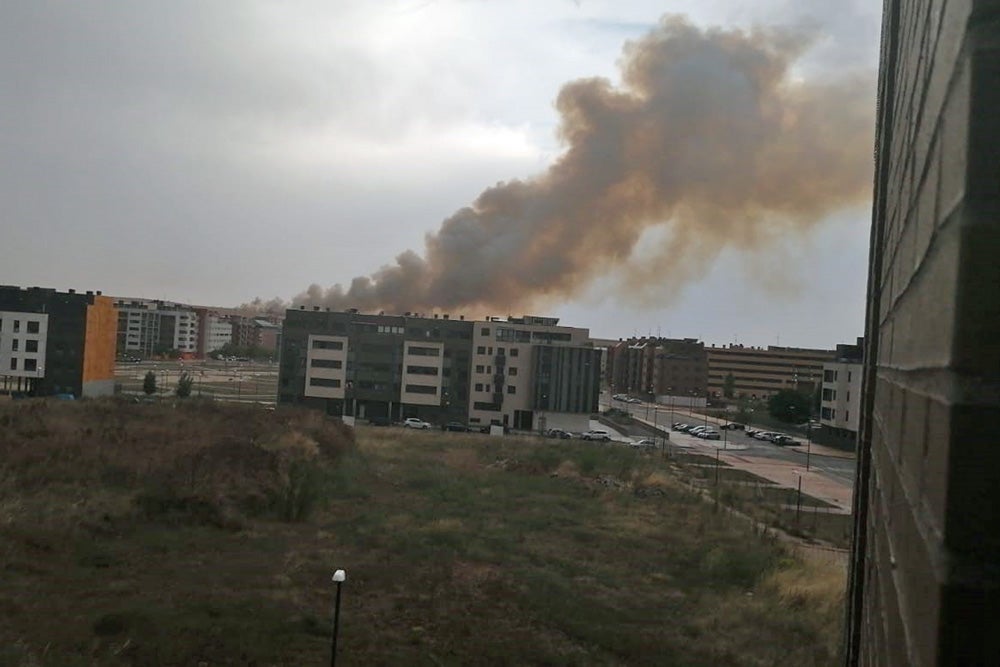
pixel 206 534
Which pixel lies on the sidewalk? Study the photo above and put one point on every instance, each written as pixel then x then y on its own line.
pixel 783 473
pixel 788 474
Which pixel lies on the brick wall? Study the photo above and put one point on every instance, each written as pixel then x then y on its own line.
pixel 925 574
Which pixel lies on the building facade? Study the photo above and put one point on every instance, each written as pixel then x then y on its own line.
pixel 840 401
pixel 56 342
pixel 667 369
pixel 759 372
pixel 148 328
pixel 376 367
pixel 529 373
pixel 523 373
pixel 925 562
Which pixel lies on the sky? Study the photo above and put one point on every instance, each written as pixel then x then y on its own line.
pixel 210 153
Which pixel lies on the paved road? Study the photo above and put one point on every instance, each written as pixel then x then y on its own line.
pixel 835 467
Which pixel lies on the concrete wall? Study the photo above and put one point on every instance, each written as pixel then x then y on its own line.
pixel 99 343
pixel 925 579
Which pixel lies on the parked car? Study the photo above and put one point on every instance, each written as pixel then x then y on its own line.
pixel 458 427
pixel 784 440
pixel 413 422
pixel 695 430
pixel 732 426
pixel 646 444
pixel 558 433
pixel 709 434
pixel 633 400
pixel 596 434
pixel 678 426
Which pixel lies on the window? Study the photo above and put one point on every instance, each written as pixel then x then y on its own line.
pixel 420 389
pixel 848 376
pixel 17 326
pixel 418 351
pixel 324 382
pixel 481 350
pixel 31 364
pixel 511 389
pixel 848 395
pixel 422 370
pixel 485 331
pixel 512 370
pixel 31 346
pixel 13 363
pixel 328 345
pixel 501 351
pixel 847 415
pixel 32 327
pixel 326 363
pixel 513 351
pixel 480 369
pixel 15 344
pixel 479 386
pixel 829 376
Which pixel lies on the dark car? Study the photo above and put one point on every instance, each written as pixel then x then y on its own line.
pixel 456 426
pixel 732 426
pixel 558 433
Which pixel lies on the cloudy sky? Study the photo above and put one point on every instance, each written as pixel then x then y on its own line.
pixel 214 152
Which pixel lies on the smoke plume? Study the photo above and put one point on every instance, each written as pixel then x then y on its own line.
pixel 709 139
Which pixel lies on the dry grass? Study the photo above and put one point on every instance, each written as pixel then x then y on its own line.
pixel 460 549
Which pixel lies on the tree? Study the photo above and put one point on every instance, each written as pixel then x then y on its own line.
pixel 149 383
pixel 729 386
pixel 184 384
pixel 789 406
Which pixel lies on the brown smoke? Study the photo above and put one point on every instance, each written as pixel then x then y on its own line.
pixel 708 137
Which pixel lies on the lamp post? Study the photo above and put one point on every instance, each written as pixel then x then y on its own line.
pixel 338 577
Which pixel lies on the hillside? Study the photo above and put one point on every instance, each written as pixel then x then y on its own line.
pixel 197 533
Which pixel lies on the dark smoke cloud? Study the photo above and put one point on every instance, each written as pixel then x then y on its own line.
pixel 709 138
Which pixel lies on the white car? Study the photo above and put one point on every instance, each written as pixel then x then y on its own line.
pixel 646 444
pixel 596 434
pixel 413 422
pixel 696 430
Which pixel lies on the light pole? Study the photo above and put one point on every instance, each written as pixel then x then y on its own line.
pixel 338 577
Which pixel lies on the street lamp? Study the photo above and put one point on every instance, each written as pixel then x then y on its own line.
pixel 338 577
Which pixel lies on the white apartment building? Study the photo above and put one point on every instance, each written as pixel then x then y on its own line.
pixel 218 334
pixel 147 327
pixel 841 399
pixel 23 338
pixel 529 373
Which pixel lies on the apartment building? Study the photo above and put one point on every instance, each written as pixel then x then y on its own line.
pixel 760 372
pixel 529 373
pixel 376 367
pixel 524 373
pixel 840 409
pixel 667 369
pixel 56 342
pixel 149 327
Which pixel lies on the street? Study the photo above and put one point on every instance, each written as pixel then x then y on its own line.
pixel 838 466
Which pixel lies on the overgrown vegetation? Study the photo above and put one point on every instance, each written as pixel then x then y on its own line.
pixel 151 534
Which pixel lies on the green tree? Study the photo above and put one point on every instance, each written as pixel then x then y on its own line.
pixel 729 386
pixel 184 384
pixel 789 406
pixel 149 383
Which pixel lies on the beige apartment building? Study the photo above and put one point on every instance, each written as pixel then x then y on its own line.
pixel 529 373
pixel 760 372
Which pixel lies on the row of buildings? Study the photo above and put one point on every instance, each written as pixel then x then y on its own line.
pixel 685 371
pixel 525 373
pixel 148 328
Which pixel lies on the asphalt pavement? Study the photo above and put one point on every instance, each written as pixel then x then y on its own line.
pixel 828 467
